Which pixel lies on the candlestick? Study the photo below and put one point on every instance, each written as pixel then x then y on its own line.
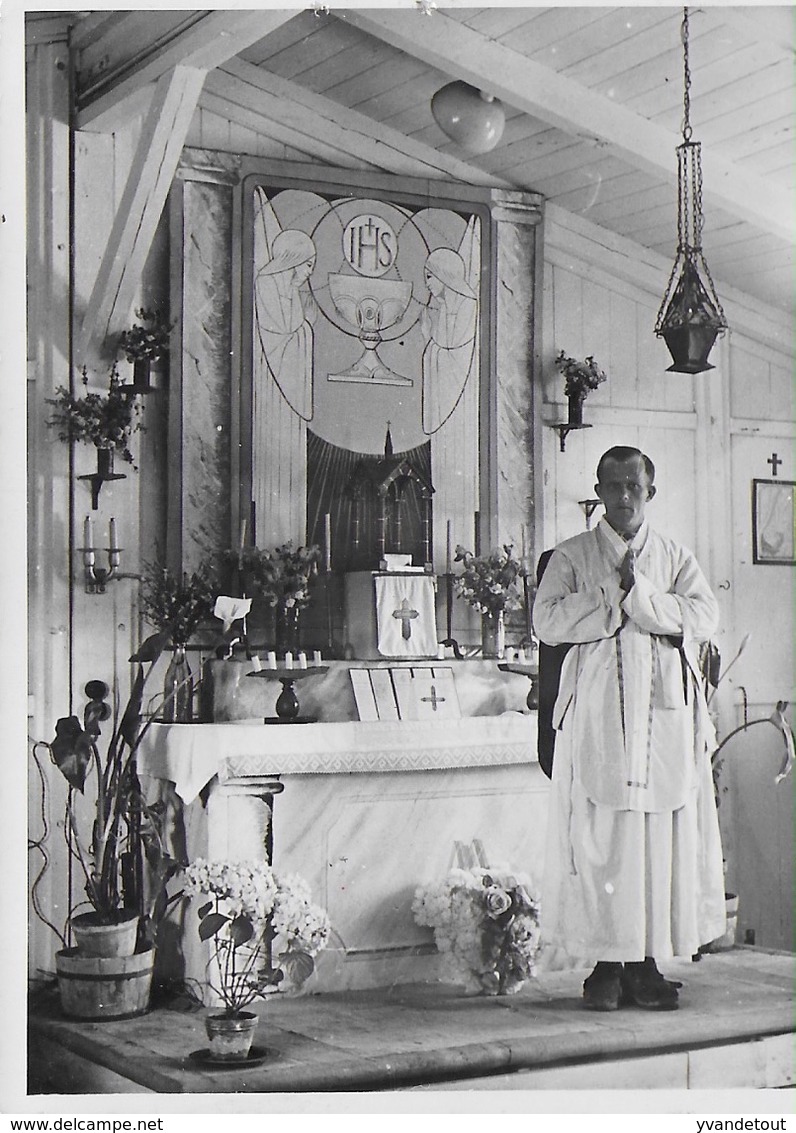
pixel 241 542
pixel 327 542
pixel 271 659
pixel 88 542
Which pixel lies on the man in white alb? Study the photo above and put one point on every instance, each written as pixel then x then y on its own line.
pixel 634 862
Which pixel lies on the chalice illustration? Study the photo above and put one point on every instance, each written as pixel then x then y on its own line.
pixel 369 306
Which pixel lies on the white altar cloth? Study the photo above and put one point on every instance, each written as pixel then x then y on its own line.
pixel 191 755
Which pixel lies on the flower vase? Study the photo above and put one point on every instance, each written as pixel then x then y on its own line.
pixel 178 689
pixel 287 630
pixel 141 375
pixel 575 408
pixel 231 1036
pixel 105 463
pixel 493 636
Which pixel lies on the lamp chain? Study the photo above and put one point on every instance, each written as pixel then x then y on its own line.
pixel 686 80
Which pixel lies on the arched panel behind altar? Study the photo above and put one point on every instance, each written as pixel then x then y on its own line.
pixel 330 471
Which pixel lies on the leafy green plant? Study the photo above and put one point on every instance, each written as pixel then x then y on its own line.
pixel 281 577
pixel 489 583
pixel 104 420
pixel 147 340
pixel 579 377
pixel 177 604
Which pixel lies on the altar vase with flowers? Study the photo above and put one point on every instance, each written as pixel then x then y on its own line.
pixel 634 864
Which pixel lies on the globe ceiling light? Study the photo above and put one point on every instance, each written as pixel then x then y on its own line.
pixel 468 116
pixel 690 315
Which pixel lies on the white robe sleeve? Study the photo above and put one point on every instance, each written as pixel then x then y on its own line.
pixel 689 608
pixel 563 613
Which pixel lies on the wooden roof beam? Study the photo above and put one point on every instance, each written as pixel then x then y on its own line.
pixel 463 53
pixel 120 55
pixel 155 160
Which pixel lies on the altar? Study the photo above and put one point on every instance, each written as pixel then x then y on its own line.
pixel 363 810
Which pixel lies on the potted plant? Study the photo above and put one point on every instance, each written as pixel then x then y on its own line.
pixel 579 379
pixel 176 604
pixel 281 580
pixel 264 933
pixel 115 837
pixel 145 343
pixel 106 421
pixel 486 927
pixel 489 584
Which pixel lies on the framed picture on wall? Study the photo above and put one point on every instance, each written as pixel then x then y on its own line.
pixel 773 523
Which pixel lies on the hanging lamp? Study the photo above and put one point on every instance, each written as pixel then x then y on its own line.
pixel 469 116
pixel 690 315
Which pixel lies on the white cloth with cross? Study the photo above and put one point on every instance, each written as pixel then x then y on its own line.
pixel 406 623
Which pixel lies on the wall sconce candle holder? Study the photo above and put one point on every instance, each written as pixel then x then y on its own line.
pixel 97 576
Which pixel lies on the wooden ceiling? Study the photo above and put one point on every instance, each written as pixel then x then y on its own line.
pixel 593 99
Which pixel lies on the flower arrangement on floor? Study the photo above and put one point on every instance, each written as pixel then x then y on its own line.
pixel 263 928
pixel 106 421
pixel 486 922
pixel 489 583
pixel 579 377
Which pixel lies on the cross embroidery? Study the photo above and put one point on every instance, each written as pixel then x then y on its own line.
pixel 406 614
pixel 775 462
pixel 433 700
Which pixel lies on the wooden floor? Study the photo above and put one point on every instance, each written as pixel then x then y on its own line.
pixel 735 1029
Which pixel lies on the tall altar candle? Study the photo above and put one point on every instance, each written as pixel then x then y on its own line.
pixel 112 542
pixel 241 542
pixel 327 542
pixel 448 559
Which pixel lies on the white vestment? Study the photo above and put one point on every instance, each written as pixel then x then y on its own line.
pixel 634 861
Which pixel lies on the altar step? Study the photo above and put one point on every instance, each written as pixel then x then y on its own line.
pixel 735 1029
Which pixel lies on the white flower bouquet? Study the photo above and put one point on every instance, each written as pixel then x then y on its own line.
pixel 264 929
pixel 487 923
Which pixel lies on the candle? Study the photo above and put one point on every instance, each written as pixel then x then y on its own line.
pixel 256 665
pixel 288 660
pixel 520 656
pixel 241 542
pixel 327 542
pixel 271 659
pixel 448 559
pixel 302 660
pixel 316 657
pixel 440 652
pixel 524 562
pixel 112 543
pixel 88 542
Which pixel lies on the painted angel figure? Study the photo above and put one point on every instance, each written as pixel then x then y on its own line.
pixel 448 323
pixel 284 313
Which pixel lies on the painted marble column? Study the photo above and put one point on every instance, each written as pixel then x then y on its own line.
pixel 508 466
pixel 201 397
